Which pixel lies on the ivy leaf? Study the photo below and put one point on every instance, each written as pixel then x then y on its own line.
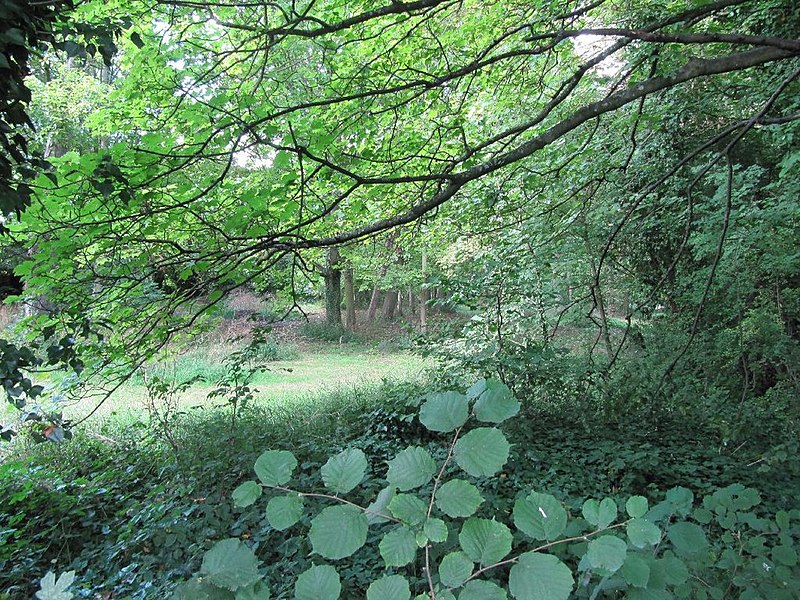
pixel 380 506
pixel 284 511
pixel 391 587
pixel 482 452
pixel 275 467
pixel 607 552
pixel 687 539
pixel 485 541
pixel 539 576
pixel 444 412
pixel 642 532
pixel 52 589
pixel 411 468
pixel 344 471
pixel 230 565
pixel 398 547
pixel 246 494
pixel 409 509
pixel 454 569
pixel 318 583
pixel 458 498
pixel 540 516
pixel 496 403
pixel 338 531
pixel 478 589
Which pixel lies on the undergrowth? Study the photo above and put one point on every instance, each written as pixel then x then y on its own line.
pixel 133 515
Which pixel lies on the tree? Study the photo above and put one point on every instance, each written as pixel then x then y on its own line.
pixel 246 133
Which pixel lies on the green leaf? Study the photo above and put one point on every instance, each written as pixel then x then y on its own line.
pixel 411 468
pixel 496 403
pixel 409 509
pixel 687 539
pixel 484 541
pixel 642 532
pixel 380 506
pixel 246 494
pixel 539 576
pixel 398 547
pixel 344 471
pixel 458 498
pixel 338 531
pixel 785 555
pixel 478 589
pixel 284 511
pixel 318 583
pixel 436 530
pixel 274 467
pixel 257 591
pixel 230 564
pixel 482 452
pixel 635 571
pixel 444 412
pixel 540 516
pixel 390 587
pixel 52 589
pixel 600 514
pixel 607 552
pixel 673 569
pixel 454 569
pixel 636 506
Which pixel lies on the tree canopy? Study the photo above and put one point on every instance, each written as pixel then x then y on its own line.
pixel 226 139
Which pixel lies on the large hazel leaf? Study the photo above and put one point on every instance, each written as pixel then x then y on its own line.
pixel 398 547
pixel 230 564
pixel 381 505
pixel 338 531
pixel 642 532
pixel 485 541
pixel 482 452
pixel 246 494
pixel 275 467
pixel 409 509
pixel 687 539
pixel 540 516
pixel 478 589
pixel 607 552
pixel 435 530
pixel 636 506
pixel 318 583
pixel 444 412
pixel 284 511
pixel 391 587
pixel 458 498
pixel 600 514
pixel 539 576
pixel 411 468
pixel 344 471
pixel 635 571
pixel 454 569
pixel 496 403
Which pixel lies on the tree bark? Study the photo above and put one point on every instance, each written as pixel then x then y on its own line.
pixel 333 288
pixel 389 305
pixel 424 296
pixel 349 300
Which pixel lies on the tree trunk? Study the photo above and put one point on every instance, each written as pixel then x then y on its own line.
pixel 349 300
pixel 424 296
pixel 333 289
pixel 373 302
pixel 389 305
